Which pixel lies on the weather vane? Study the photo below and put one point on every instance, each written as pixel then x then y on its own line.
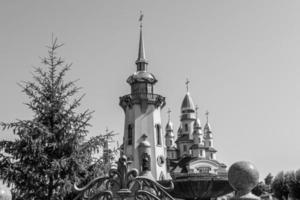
pixel 141 19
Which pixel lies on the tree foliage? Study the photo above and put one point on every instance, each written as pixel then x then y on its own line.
pixel 259 189
pixel 279 186
pixel 268 180
pixel 50 152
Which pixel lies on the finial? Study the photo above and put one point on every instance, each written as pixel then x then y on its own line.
pixel 187 84
pixel 207 113
pixel 141 61
pixel 197 108
pixel 169 114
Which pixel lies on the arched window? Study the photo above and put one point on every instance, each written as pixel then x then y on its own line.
pixel 158 134
pixel 209 143
pixel 186 127
pixel 171 143
pixel 184 148
pixel 130 133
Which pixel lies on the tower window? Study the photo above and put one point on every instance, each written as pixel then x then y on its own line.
pixel 158 134
pixel 129 139
pixel 186 127
pixel 171 143
pixel 209 143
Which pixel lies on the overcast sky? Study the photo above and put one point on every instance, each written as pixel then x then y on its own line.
pixel 241 57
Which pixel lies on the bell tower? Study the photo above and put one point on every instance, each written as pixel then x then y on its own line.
pixel 142 109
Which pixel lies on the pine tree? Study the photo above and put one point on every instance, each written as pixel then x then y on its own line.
pixel 50 152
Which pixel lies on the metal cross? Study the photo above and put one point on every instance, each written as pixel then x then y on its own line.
pixel 169 113
pixel 207 113
pixel 187 84
pixel 197 110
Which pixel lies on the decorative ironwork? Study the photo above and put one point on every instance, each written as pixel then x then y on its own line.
pixel 137 98
pixel 123 184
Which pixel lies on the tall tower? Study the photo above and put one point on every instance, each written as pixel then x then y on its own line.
pixel 143 119
pixel 208 140
pixel 187 118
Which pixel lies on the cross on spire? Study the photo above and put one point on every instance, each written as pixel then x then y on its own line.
pixel 187 84
pixel 169 114
pixel 207 113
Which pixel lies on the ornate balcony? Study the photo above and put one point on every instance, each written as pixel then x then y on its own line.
pixel 142 98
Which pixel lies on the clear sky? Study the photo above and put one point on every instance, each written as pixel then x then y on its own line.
pixel 241 57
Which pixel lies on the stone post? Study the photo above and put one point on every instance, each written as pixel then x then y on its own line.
pixel 243 177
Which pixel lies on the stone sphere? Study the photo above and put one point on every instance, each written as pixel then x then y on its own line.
pixel 243 176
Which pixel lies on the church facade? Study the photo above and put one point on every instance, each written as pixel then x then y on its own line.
pixel 163 153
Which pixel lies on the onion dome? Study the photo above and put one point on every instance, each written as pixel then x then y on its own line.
pixel 207 128
pixel 187 103
pixel 141 76
pixel 179 130
pixel 169 126
pixel 197 123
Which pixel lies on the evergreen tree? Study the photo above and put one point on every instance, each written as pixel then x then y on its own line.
pixel 50 152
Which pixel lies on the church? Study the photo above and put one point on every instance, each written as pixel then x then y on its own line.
pixel 148 147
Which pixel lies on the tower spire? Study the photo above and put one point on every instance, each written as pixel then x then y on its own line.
pixel 141 61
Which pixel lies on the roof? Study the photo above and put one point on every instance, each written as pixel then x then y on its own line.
pixel 197 123
pixel 207 127
pixel 211 149
pixel 187 103
pixel 172 148
pixel 169 133
pixel 169 126
pixel 198 146
pixel 184 137
pixel 141 76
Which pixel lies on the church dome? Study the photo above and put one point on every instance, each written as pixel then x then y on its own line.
pixel 169 126
pixel 141 76
pixel 170 134
pixel 179 130
pixel 207 127
pixel 197 123
pixel 187 103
